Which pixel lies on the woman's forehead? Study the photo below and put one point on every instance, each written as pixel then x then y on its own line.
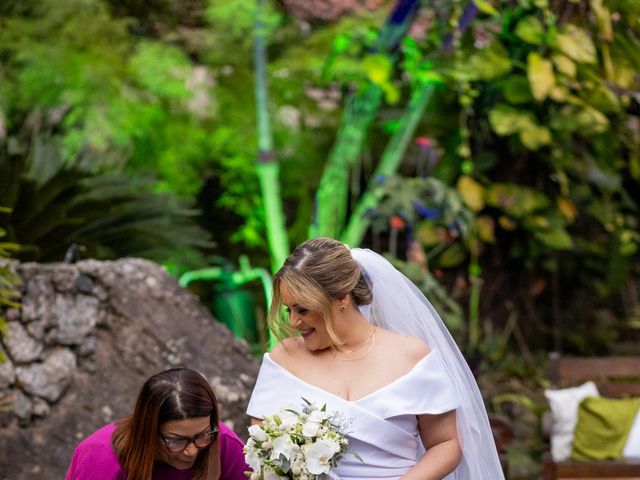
pixel 187 427
pixel 289 298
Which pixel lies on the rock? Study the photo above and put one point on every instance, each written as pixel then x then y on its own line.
pixel 21 346
pixel 50 378
pixel 76 316
pixel 33 308
pixel 40 408
pixel 95 331
pixel 7 372
pixel 22 406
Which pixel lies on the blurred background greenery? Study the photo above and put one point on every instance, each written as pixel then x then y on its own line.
pixel 490 148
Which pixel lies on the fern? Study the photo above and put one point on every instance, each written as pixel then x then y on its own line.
pixel 110 214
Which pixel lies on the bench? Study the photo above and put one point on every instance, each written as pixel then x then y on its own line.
pixel 615 377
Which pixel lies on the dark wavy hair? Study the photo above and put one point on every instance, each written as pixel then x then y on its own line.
pixel 174 394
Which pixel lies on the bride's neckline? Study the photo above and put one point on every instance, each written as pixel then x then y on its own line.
pixel 368 395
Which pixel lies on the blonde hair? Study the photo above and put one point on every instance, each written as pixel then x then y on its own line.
pixel 319 271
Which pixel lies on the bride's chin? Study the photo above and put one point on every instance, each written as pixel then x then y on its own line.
pixel 315 346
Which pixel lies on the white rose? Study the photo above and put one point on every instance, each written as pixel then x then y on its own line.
pixel 257 433
pixel 288 419
pixel 318 416
pixel 318 457
pixel 310 429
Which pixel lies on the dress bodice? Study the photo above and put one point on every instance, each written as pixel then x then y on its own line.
pixel 383 426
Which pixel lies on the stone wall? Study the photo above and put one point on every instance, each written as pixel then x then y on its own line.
pixel 84 340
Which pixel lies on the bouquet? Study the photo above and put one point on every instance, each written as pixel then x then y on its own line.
pixel 296 445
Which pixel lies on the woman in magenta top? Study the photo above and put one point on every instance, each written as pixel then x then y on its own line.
pixel 174 433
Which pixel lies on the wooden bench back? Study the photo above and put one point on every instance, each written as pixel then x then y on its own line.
pixel 614 376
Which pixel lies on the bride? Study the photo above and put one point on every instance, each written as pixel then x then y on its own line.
pixel 362 339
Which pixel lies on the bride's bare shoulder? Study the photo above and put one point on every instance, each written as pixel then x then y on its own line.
pixel 288 351
pixel 410 349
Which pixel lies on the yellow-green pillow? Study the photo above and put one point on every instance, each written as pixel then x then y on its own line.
pixel 603 427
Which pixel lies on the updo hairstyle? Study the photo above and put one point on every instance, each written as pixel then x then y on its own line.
pixel 319 271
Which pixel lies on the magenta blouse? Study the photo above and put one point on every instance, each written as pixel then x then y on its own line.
pixel 94 459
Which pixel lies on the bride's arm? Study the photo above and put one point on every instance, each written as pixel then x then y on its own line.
pixel 440 438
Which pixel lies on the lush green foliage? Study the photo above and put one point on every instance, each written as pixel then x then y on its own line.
pixel 540 99
pixel 538 134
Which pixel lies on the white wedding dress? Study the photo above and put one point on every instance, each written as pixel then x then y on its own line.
pixel 382 426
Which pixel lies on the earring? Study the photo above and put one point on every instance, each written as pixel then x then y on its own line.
pixel 342 307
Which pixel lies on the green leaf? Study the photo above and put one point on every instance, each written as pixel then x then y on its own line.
pixel 559 93
pixel 486 229
pixel 564 65
pixel 534 137
pixel 471 192
pixel 515 200
pixel 377 68
pixel 452 256
pixel 580 118
pixel 576 44
pixel 604 100
pixel 516 90
pixel 391 93
pixel 591 120
pixel 556 239
pixel 506 120
pixel 490 62
pixel 485 7
pixel 427 234
pixel 530 30
pixel 540 75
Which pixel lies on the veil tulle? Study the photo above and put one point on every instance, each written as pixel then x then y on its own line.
pixel 400 306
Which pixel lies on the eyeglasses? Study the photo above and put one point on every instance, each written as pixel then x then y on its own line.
pixel 178 444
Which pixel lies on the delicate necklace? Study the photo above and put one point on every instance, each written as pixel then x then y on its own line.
pixel 371 338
